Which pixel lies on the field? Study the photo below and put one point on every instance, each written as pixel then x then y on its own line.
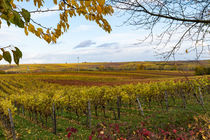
pixel 106 66
pixel 89 78
pixel 53 102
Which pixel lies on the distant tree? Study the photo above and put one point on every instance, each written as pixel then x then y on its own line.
pixel 128 66
pixel 200 70
pixel 185 20
pixel 12 13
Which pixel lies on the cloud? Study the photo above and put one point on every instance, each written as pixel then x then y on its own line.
pixel 85 44
pixel 106 45
pixel 10 34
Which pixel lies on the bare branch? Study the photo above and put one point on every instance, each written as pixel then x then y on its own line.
pixel 185 20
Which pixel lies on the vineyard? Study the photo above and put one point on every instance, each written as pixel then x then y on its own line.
pixel 147 79
pixel 31 108
pixel 105 66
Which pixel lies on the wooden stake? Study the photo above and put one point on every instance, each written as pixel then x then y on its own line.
pixel 118 107
pixel 104 110
pixel 201 96
pixel 12 124
pixel 96 110
pixel 54 119
pixel 201 99
pixel 142 113
pixel 166 100
pixel 89 115
pixel 183 99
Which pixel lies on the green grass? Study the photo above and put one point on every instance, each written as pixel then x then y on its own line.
pixel 26 130
pixel 1 134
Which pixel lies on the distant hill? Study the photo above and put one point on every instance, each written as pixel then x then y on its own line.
pixel 105 66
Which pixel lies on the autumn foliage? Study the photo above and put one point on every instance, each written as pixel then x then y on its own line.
pixel 92 10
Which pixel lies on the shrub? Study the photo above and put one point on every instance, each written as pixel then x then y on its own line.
pixel 202 70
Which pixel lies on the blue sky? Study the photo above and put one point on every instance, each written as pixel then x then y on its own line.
pixel 85 40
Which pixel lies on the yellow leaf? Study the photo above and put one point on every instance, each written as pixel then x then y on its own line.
pixel 87 3
pixel 189 125
pixel 25 30
pixel 67 25
pixel 62 4
pixel 99 9
pixel 101 2
pixel 47 38
pixel 37 33
pixel 12 3
pixel 48 31
pixel 40 30
pixel 55 2
pixel 195 118
pixel 54 39
pixel 31 27
pixel 186 51
pixel 203 137
pixel 86 16
pixel 60 7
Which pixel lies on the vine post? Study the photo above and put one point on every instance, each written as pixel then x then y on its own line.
pixel 140 107
pixel 118 106
pixel 166 100
pixel 12 124
pixel 201 98
pixel 89 114
pixel 54 119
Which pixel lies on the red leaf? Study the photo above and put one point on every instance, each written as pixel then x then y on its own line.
pixel 69 135
pixel 174 130
pixel 74 130
pixel 67 129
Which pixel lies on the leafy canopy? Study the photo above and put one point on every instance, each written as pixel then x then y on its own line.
pixel 92 10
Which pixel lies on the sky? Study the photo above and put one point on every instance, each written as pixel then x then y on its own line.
pixel 84 40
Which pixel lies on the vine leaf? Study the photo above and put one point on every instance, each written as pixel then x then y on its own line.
pixel 17 54
pixel 26 15
pixel 15 57
pixel 7 57
pixel 2 49
pixel 17 20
